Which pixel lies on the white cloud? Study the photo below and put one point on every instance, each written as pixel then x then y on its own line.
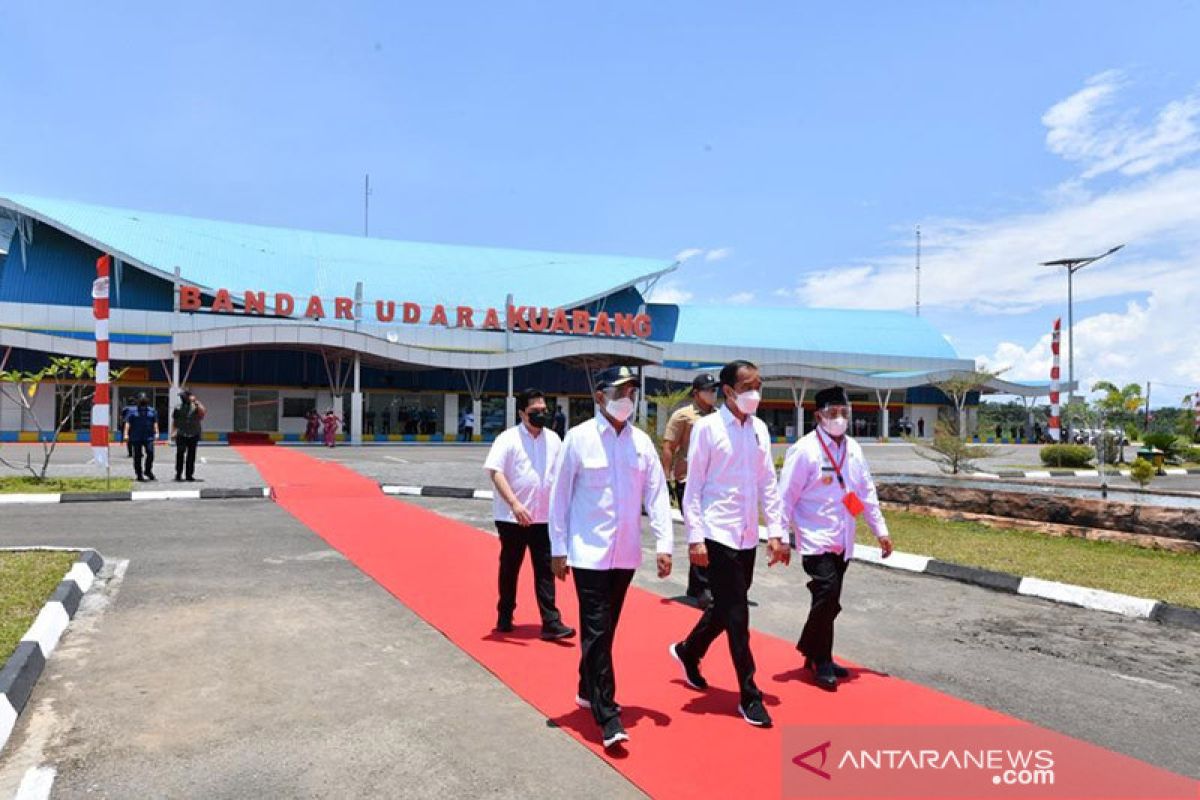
pixel 992 267
pixel 669 292
pixel 1086 128
pixel 715 254
pixel 741 298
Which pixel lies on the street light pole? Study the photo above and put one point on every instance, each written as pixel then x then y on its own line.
pixel 1073 265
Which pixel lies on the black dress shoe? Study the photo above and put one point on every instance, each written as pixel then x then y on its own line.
pixel 838 670
pixel 825 676
pixel 557 631
pixel 503 625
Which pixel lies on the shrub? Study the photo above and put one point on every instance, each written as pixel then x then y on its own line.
pixel 1132 433
pixel 1067 455
pixel 1190 453
pixel 1141 471
pixel 1163 441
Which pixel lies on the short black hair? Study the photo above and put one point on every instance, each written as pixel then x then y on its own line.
pixel 528 396
pixel 730 371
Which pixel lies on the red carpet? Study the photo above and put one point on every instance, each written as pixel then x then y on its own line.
pixel 683 743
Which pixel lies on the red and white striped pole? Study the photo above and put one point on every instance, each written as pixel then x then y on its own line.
pixel 100 401
pixel 1055 427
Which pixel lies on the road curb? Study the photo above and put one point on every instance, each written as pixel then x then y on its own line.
pixel 20 673
pixel 1062 593
pixel 1056 472
pixel 136 495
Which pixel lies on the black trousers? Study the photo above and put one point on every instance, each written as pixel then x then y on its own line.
pixel 730 573
pixel 601 594
pixel 697 576
pixel 826 572
pixel 143 450
pixel 185 455
pixel 514 541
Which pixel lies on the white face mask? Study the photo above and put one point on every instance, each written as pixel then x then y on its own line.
pixel 620 408
pixel 747 402
pixel 836 426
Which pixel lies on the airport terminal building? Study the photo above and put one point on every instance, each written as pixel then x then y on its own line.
pixel 400 338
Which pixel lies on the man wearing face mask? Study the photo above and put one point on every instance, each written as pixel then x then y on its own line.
pixel 674 457
pixel 607 472
pixel 521 464
pixel 730 478
pixel 826 485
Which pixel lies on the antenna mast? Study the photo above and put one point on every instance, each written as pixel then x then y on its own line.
pixel 918 270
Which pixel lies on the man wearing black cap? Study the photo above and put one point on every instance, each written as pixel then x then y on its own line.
pixel 606 473
pixel 674 457
pixel 826 485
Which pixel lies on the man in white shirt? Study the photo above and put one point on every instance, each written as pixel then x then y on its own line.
pixel 826 485
pixel 521 463
pixel 607 472
pixel 730 478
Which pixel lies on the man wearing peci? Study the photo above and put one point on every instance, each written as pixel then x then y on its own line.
pixel 731 478
pixel 826 486
pixel 607 473
pixel 521 465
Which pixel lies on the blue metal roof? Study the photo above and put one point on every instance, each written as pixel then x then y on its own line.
pixel 230 255
pixel 826 330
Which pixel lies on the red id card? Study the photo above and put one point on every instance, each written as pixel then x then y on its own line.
pixel 853 504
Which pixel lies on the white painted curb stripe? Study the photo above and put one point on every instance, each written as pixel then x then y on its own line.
pixel 1038 474
pixel 1175 471
pixel 904 561
pixel 8 719
pixel 37 784
pixel 1086 473
pixel 82 574
pixel 49 625
pixel 166 494
pixel 30 498
pixel 1097 599
pixel 484 494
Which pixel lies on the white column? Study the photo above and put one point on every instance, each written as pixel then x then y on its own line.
pixel 643 407
pixel 477 412
pixel 356 404
pixel 450 415
pixel 886 422
pixel 510 403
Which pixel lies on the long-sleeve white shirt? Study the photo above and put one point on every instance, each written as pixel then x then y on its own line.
pixel 527 463
pixel 812 496
pixel 730 477
pixel 603 480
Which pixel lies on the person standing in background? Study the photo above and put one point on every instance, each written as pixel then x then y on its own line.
pixel 187 420
pixel 675 463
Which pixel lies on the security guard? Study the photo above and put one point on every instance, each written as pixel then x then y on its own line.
pixel 607 472
pixel 826 485
pixel 675 456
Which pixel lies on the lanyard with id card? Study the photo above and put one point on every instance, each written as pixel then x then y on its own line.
pixel 850 500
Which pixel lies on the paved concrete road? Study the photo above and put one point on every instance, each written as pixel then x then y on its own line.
pixel 462 465
pixel 242 657
pixel 218 466
pixel 1128 685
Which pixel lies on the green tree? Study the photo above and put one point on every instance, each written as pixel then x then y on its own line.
pixel 1120 405
pixel 958 389
pixel 77 378
pixel 950 451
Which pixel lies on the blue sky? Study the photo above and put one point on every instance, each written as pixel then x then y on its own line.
pixel 790 148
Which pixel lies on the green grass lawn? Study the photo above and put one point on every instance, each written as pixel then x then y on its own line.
pixel 27 579
pixel 1154 574
pixel 24 484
